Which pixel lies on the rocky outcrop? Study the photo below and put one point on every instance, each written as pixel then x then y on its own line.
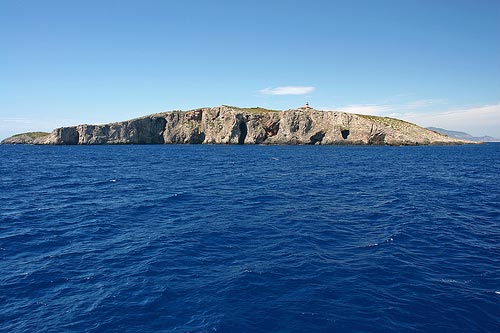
pixel 25 138
pixel 233 125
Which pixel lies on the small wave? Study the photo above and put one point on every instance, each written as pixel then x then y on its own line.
pixel 388 240
pixel 176 195
pixel 452 281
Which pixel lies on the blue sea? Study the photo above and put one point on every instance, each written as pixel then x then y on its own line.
pixel 230 238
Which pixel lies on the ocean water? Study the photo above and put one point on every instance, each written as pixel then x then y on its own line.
pixel 194 238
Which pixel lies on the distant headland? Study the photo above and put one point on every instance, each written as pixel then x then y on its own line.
pixel 235 125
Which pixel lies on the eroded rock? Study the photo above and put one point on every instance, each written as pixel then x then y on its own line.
pixel 233 125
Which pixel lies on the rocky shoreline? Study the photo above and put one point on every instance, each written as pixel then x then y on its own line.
pixel 234 125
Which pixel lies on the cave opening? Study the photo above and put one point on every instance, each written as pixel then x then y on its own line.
pixel 345 133
pixel 317 138
pixel 242 126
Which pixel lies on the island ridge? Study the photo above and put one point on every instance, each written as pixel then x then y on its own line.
pixel 235 125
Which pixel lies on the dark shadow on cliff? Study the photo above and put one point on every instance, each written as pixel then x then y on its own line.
pixel 345 133
pixel 242 126
pixel 317 138
pixel 197 138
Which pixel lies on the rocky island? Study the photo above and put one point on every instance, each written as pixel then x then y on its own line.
pixel 234 125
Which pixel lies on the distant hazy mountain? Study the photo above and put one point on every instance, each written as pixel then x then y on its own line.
pixel 463 135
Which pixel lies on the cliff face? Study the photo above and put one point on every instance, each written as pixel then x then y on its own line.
pixel 232 125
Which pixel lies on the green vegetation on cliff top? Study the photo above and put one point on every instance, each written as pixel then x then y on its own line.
pixel 387 121
pixel 32 135
pixel 252 110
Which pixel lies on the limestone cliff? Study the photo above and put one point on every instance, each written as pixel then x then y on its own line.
pixel 233 125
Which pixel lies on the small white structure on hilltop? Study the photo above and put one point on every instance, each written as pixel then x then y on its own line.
pixel 305 107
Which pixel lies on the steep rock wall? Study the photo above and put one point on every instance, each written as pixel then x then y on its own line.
pixel 232 125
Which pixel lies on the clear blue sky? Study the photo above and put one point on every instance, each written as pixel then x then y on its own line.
pixel 433 62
